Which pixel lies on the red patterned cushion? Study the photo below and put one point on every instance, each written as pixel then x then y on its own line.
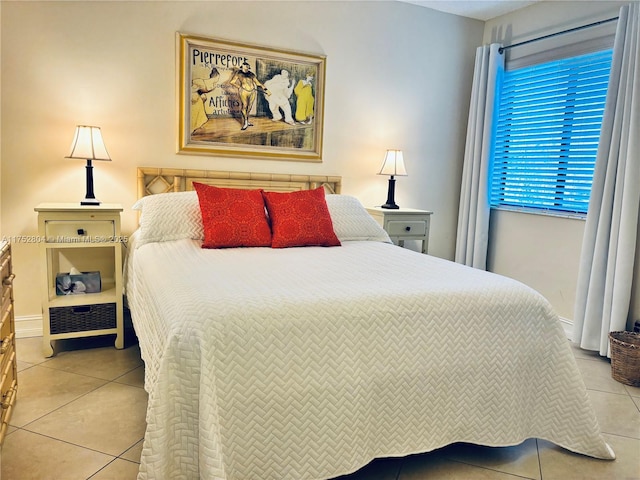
pixel 300 219
pixel 232 217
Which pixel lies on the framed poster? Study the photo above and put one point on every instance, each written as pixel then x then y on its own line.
pixel 249 101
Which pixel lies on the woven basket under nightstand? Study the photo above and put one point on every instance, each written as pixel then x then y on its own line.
pixel 625 357
pixel 82 318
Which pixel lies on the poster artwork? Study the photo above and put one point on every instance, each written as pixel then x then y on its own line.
pixel 238 99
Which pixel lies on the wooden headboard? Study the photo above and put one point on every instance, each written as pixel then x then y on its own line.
pixel 153 180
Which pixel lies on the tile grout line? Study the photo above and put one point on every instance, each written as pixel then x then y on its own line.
pixel 539 459
pixel 107 464
pixel 77 445
pixel 495 469
pixel 58 408
pixel 107 382
pixel 112 459
pixel 43 364
pixel 399 470
pixel 71 443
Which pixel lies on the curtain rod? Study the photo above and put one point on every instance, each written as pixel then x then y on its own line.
pixel 571 30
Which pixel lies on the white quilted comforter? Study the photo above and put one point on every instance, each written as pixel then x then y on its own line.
pixel 307 363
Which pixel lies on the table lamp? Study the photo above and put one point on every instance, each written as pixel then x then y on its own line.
pixel 88 145
pixel 393 165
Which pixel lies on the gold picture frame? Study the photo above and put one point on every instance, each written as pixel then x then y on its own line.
pixel 244 100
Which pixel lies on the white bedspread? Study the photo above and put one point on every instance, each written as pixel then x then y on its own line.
pixel 307 363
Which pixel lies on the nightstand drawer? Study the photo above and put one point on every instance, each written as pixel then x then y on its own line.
pixel 63 231
pixel 405 228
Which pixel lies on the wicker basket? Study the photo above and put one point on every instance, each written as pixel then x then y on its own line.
pixel 82 318
pixel 625 357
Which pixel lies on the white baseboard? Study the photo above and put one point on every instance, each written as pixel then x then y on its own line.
pixel 568 327
pixel 29 326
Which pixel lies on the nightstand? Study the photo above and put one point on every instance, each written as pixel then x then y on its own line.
pixel 87 238
pixel 404 224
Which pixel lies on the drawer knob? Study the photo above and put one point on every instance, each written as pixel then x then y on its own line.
pixel 407 228
pixel 82 231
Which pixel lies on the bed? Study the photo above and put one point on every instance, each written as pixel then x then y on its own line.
pixel 309 362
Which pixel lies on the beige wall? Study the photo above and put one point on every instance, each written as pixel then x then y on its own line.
pixel 541 251
pixel 398 76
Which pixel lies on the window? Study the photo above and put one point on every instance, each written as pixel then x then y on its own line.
pixel 547 132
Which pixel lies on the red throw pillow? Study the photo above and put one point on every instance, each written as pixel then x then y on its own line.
pixel 232 217
pixel 300 219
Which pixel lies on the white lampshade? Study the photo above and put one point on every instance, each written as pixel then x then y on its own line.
pixel 88 144
pixel 393 164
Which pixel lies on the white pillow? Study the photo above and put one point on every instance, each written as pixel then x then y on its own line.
pixel 351 221
pixel 169 216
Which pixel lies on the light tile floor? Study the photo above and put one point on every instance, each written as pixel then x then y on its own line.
pixel 80 415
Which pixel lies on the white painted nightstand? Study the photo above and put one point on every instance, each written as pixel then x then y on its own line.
pixel 89 239
pixel 404 224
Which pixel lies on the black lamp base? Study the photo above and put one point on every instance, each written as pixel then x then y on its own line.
pixel 390 203
pixel 89 198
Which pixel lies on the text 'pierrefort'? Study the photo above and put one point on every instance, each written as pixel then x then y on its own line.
pixel 212 58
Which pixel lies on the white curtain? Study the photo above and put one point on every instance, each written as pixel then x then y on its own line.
pixel 473 215
pixel 610 242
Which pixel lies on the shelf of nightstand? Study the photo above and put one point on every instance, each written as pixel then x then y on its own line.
pixel 107 295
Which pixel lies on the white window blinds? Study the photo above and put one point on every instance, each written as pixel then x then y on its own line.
pixel 547 132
